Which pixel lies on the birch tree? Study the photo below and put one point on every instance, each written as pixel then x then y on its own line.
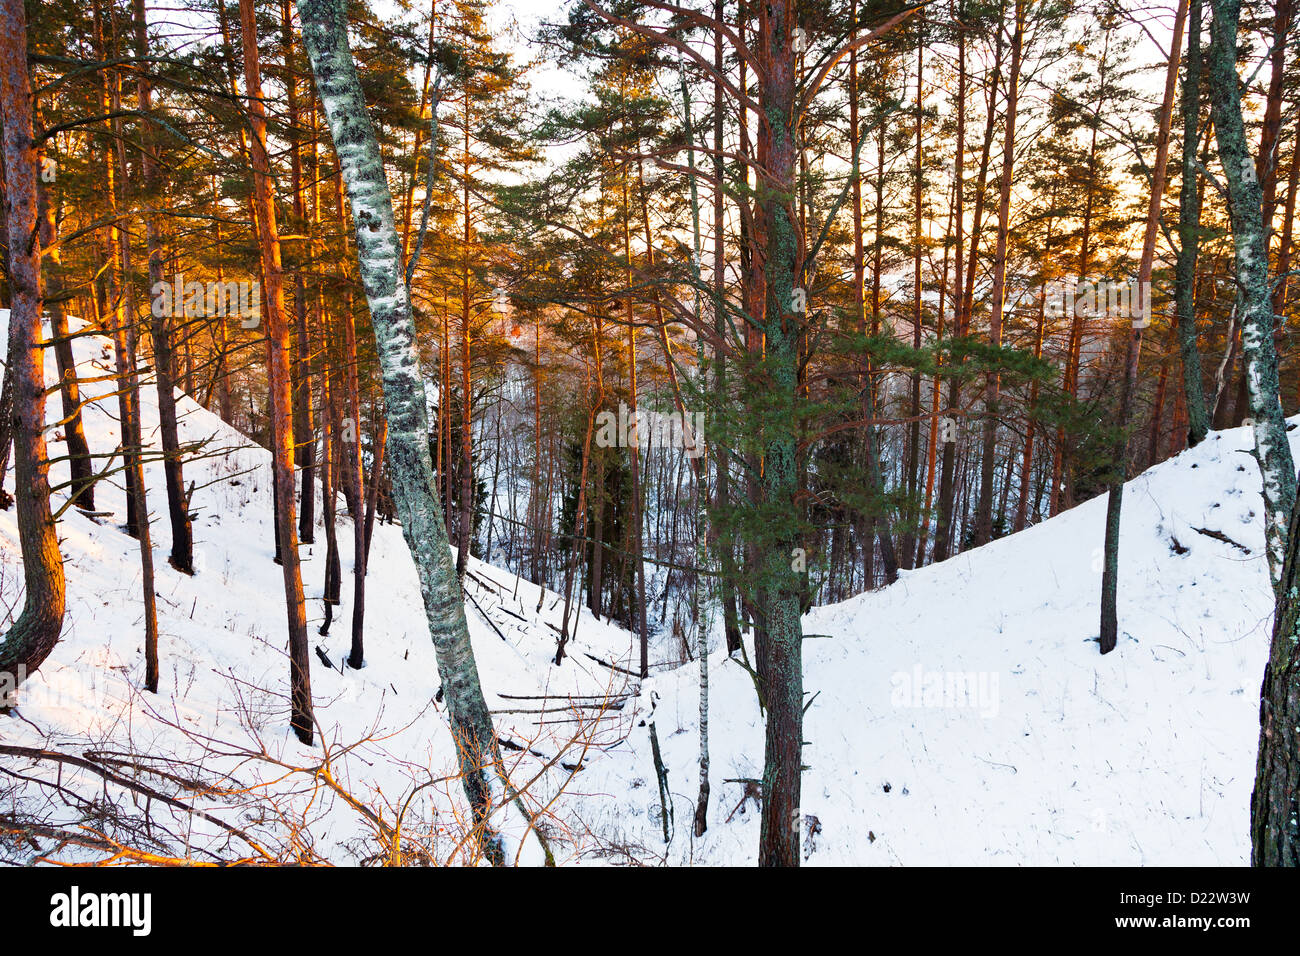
pixel 700 596
pixel 324 30
pixel 1255 304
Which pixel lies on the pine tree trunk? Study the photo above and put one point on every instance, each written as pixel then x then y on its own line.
pixel 943 517
pixel 33 635
pixel 465 523
pixel 993 381
pixel 277 343
pixel 1266 160
pixel 80 464
pixel 1281 294
pixel 123 331
pixel 944 532
pixel 1027 460
pixel 779 583
pixel 355 479
pixel 1275 802
pixel 304 421
pixel 1128 389
pixel 329 496
pixel 6 412
pixel 1189 225
pixel 1062 465
pixel 376 479
pixel 178 508
pixel 907 539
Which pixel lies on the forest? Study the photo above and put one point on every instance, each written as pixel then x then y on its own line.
pixel 671 432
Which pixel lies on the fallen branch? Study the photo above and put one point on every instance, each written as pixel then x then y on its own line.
pixel 1220 536
pixel 31 753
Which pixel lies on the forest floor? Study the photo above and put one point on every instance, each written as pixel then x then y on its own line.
pixel 961 716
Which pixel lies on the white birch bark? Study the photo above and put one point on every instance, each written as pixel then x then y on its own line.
pixel 700 597
pixel 1250 243
pixel 324 29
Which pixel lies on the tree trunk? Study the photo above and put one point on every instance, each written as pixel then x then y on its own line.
pixel 376 479
pixel 1189 226
pixel 329 496
pixel 355 478
pixel 1274 806
pixel 1128 389
pixel 779 583
pixel 699 490
pixel 466 520
pixel 907 538
pixel 123 331
pixel 722 483
pixel 1062 468
pixel 1266 161
pixel 993 381
pixel 304 420
pixel 324 25
pixel 1250 245
pixel 1281 294
pixel 178 508
pixel 277 344
pixel 80 464
pixel 33 635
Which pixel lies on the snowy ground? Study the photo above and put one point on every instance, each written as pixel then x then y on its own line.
pixel 962 716
pixel 965 716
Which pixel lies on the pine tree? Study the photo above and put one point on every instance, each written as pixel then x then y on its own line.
pixel 32 637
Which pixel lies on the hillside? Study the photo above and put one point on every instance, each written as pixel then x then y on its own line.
pixel 961 716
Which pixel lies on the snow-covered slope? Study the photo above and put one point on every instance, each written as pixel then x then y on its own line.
pixel 962 716
pixel 965 716
pixel 222 646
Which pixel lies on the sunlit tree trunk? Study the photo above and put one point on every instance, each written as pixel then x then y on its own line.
pixel 178 508
pixel 277 344
pixel 80 464
pixel 304 419
pixel 993 380
pixel 123 331
pixel 1189 225
pixel 1119 452
pixel 32 636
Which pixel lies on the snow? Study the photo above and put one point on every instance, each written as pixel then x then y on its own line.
pixel 1143 757
pixel 961 716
